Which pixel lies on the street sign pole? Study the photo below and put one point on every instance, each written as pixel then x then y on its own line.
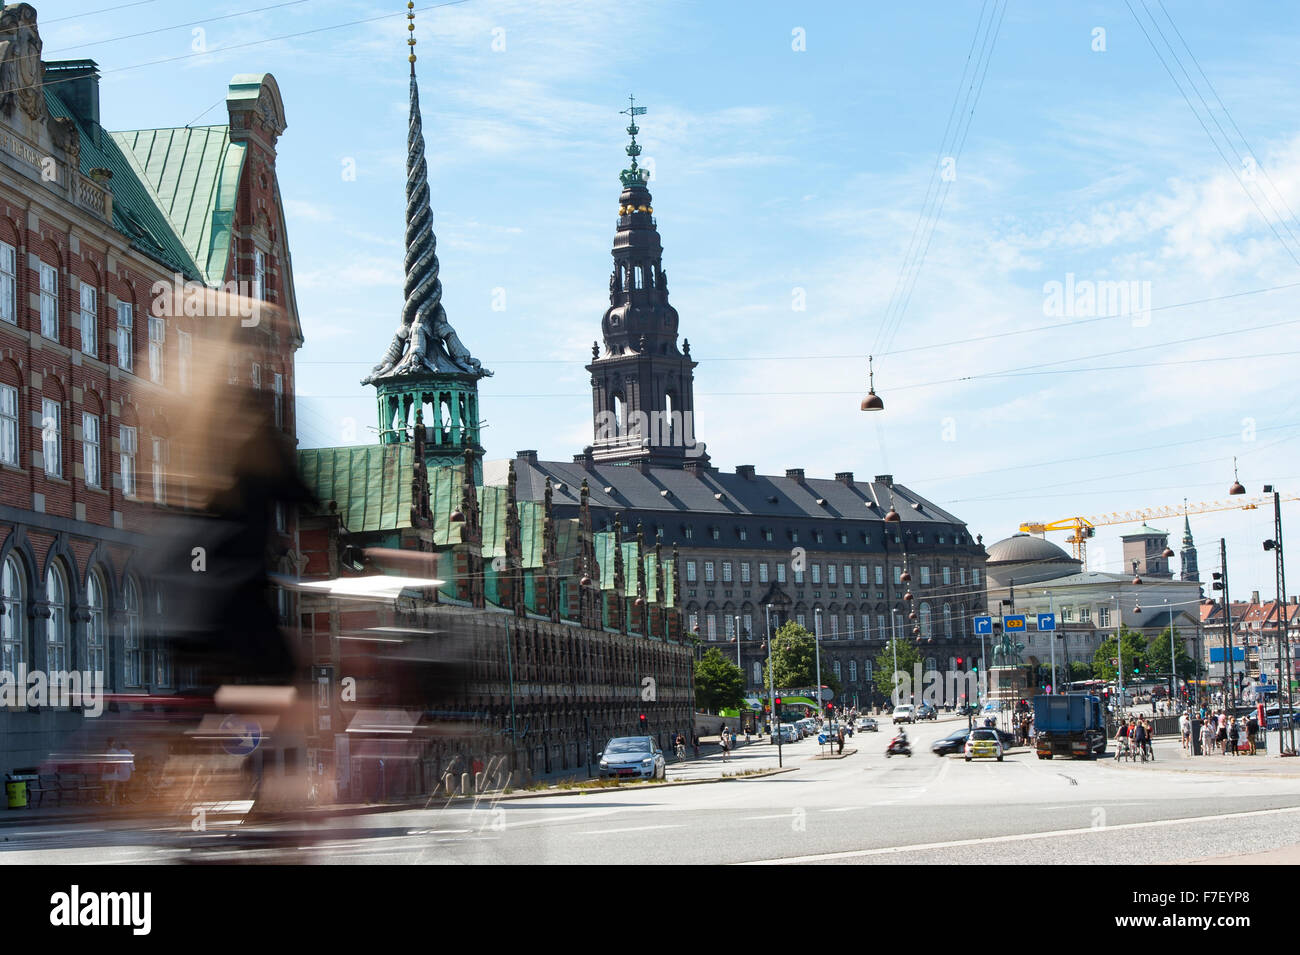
pixel 1051 636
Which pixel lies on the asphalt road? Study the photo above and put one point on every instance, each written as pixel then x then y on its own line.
pixel 863 809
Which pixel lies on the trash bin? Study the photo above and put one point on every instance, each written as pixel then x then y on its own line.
pixel 16 789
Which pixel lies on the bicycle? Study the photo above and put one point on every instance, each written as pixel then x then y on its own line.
pixel 681 752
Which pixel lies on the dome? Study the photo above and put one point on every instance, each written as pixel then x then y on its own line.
pixel 1024 549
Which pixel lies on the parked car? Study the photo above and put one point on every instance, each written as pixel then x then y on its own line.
pixel 927 711
pixel 950 744
pixel 632 756
pixel 983 744
pixel 867 724
pixel 786 733
pixel 906 713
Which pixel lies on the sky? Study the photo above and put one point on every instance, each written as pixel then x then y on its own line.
pixel 940 185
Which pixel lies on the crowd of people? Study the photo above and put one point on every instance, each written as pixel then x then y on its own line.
pixel 1220 733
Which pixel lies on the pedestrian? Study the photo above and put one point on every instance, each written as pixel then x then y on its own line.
pixel 1121 740
pixel 733 738
pixel 1207 738
pixel 722 741
pixel 1221 736
pixel 695 742
pixel 1139 736
pixel 1185 731
pixel 841 740
pixel 1252 729
pixel 1232 735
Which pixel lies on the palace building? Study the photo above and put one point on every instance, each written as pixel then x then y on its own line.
pixel 93 367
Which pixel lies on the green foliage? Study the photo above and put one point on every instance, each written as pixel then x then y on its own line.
pixel 1135 655
pixel 883 672
pixel 1158 655
pixel 1080 671
pixel 719 683
pixel 794 660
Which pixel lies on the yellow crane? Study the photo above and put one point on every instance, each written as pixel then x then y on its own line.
pixel 1081 528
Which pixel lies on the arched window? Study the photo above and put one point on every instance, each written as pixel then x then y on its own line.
pixel 96 658
pixel 131 632
pixel 866 671
pixel 853 671
pixel 56 627
pixel 758 673
pixel 12 634
pixel 924 613
pixel 947 621
pixel 835 668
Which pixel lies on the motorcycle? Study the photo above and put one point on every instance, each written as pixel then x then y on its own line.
pixel 898 746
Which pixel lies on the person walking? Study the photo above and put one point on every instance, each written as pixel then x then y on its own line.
pixel 1232 735
pixel 1222 735
pixel 1207 738
pixel 1185 732
pixel 1252 730
pixel 723 742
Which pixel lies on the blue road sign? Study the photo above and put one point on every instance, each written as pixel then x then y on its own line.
pixel 1014 623
pixel 242 736
pixel 1047 621
pixel 983 625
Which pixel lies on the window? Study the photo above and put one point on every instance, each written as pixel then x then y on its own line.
pixel 277 385
pixel 8 284
pixel 880 624
pixel 831 575
pixel 1085 615
pixel 880 575
pixel 162 655
pixel 1067 614
pixel 51 436
pixel 975 576
pixel 744 534
pixel 126 438
pixel 688 532
pixel 844 537
pixel 280 522
pixel 232 369
pixel 56 626
pixel 848 625
pixel 853 671
pixel 159 463
pixel 947 575
pixel 257 376
pixel 711 622
pixel 863 575
pixel 962 577
pixel 125 337
pixel 925 574
pixel 747 621
pixel 848 576
pixel 947 621
pixel 157 338
pixel 693 622
pixel 898 574
pixel 691 573
pixel 730 626
pixel 708 572
pixel 131 633
pixel 767 534
pixel 715 532
pixel 12 640
pixel 924 614
pixel 835 668
pixel 49 301
pixel 817 536
pixel 95 659
pixel 798 577
pixel 762 572
pixel 9 425
pixel 816 574
pixel 184 360
pixel 802 620
pixel 866 671
pixel 90 449
pixel 866 627
pixel 835 626
pixel 744 572
pixel 726 571
pixel 1103 616
pixel 259 274
pixel 780 573
pixel 794 537
pixel 758 673
pixel 88 318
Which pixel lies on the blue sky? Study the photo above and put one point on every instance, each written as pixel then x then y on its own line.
pixel 785 175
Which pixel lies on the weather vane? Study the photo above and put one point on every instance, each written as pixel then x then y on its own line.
pixel 633 150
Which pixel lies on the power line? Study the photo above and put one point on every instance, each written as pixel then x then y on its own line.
pixel 179 26
pixel 90 13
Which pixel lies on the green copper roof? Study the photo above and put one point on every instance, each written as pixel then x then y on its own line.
pixel 532 533
pixel 136 211
pixel 193 175
pixel 371 485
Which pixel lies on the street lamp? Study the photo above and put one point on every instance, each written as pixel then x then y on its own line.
pixel 771 688
pixel 817 652
pixel 1283 637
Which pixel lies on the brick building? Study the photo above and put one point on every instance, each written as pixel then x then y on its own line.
pixel 98 232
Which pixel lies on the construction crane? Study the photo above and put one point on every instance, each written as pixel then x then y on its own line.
pixel 1081 528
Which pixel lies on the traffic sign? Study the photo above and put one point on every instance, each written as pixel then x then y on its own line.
pixel 983 625
pixel 1047 621
pixel 1013 623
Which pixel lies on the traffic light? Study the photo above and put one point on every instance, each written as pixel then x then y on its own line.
pixel 644 723
pixel 960 661
pixel 778 701
pixel 1218 580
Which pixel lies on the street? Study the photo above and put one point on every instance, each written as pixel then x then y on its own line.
pixel 862 808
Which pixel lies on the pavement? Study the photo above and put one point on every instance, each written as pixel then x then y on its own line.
pixel 863 808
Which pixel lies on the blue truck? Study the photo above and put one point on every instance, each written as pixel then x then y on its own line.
pixel 1069 725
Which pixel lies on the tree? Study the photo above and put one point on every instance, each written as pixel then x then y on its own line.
pixel 719 683
pixel 1080 671
pixel 1134 656
pixel 794 656
pixel 908 656
pixel 1158 655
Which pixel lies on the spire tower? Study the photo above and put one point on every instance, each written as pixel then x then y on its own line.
pixel 643 399
pixel 426 367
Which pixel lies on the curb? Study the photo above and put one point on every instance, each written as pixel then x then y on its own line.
pixel 546 793
pixel 847 752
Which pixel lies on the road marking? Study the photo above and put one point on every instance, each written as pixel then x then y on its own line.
pixel 1019 837
pixel 602 832
pixel 842 809
pixel 779 815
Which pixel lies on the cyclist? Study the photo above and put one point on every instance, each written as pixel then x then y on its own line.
pixel 1140 738
pixel 1121 741
pixel 680 746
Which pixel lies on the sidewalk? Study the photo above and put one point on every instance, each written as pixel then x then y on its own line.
pixel 1170 757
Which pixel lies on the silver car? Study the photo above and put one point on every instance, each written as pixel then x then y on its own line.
pixel 632 757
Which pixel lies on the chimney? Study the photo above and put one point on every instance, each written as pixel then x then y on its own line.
pixel 77 82
pixel 885 479
pixel 746 471
pixel 585 459
pixel 1254 596
pixel 795 474
pixel 845 478
pixel 529 456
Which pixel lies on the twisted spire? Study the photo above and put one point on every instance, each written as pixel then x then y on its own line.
pixel 423 290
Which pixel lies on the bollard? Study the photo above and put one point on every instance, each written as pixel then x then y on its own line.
pixel 479 779
pixel 464 783
pixel 449 784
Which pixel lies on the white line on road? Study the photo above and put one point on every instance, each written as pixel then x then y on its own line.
pixel 1019 837
pixel 602 832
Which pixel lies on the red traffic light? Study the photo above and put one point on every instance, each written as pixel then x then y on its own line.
pixel 778 701
pixel 960 661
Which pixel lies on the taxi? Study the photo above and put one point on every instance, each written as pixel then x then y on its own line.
pixel 983 744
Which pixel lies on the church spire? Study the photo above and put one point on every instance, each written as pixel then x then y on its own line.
pixel 643 382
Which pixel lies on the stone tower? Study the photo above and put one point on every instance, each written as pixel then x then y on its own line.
pixel 643 385
pixel 1187 554
pixel 427 375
